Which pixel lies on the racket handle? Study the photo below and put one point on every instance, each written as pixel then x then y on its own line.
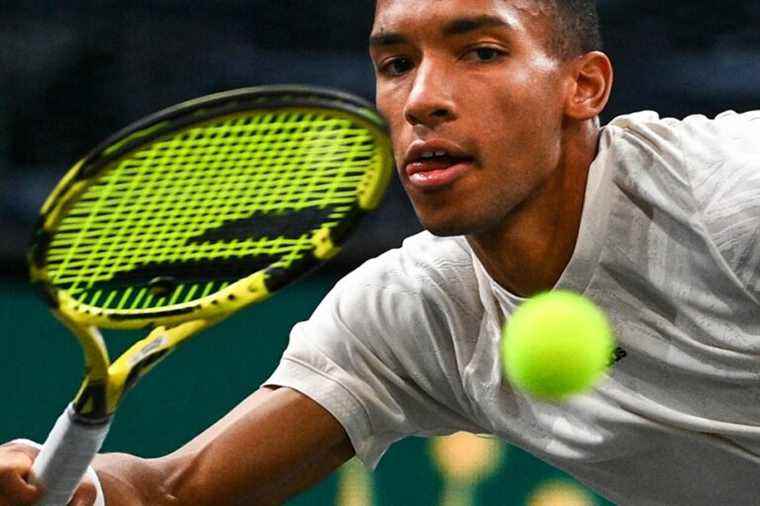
pixel 65 457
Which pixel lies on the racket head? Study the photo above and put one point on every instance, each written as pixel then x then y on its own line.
pixel 208 206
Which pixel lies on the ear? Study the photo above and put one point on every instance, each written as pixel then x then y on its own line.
pixel 590 85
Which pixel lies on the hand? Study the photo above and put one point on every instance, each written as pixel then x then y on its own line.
pixel 15 464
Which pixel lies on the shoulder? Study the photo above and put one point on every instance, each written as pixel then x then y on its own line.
pixel 435 271
pixel 401 311
pixel 692 157
pixel 704 170
pixel 697 136
pixel 729 134
pixel 646 133
pixel 697 139
pixel 724 159
pixel 422 258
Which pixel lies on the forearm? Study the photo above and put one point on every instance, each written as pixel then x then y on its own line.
pixel 227 479
pixel 272 446
pixel 309 474
pixel 267 450
pixel 128 480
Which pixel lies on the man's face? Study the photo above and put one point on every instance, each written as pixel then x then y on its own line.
pixel 474 98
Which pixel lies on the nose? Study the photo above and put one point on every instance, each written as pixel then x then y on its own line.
pixel 430 101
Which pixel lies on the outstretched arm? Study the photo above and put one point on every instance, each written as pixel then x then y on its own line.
pixel 273 445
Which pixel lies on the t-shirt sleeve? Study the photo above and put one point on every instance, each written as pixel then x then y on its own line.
pixel 723 156
pixel 374 354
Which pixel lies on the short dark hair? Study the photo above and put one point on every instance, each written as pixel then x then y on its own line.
pixel 576 30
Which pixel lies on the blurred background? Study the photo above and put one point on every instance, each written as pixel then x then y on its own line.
pixel 72 73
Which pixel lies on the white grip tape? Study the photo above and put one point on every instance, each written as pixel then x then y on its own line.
pixel 65 457
pixel 100 498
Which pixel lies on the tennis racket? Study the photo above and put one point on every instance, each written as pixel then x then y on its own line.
pixel 184 218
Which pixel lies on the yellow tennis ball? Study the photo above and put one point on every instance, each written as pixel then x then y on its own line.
pixel 556 344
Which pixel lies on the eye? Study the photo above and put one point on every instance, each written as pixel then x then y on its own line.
pixel 484 54
pixel 396 66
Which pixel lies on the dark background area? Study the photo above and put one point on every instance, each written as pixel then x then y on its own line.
pixel 72 73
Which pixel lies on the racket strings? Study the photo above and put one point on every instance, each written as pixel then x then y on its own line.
pixel 144 213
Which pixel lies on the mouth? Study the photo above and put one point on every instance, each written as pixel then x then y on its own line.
pixel 435 164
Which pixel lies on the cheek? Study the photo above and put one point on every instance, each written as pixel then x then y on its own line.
pixel 398 144
pixel 535 108
pixel 392 110
pixel 390 99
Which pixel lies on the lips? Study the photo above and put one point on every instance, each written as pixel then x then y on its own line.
pixel 433 164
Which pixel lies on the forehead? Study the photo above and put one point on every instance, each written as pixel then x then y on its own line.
pixel 395 15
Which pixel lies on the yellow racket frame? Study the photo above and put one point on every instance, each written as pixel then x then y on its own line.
pixel 171 324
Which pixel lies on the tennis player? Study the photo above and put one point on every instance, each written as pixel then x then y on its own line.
pixel 494 106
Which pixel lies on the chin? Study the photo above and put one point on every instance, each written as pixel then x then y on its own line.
pixel 463 221
pixel 449 227
pixel 444 231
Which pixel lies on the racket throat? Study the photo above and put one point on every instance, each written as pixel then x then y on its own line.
pixel 145 354
pixel 90 404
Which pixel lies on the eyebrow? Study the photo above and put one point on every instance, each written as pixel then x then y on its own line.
pixel 454 27
pixel 386 39
pixel 466 25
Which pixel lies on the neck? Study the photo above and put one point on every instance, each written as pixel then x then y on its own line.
pixel 527 253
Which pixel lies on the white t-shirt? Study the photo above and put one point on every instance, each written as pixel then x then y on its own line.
pixel 669 246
